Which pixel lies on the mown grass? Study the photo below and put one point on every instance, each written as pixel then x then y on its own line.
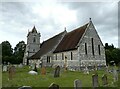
pixel 0 76
pixel 66 79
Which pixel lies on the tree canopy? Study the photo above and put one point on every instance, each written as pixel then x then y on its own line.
pixel 7 51
pixel 19 52
pixel 112 54
pixel 14 56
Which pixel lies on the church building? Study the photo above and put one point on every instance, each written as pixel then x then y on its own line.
pixel 76 49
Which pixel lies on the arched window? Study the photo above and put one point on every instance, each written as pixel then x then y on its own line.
pixel 71 56
pixel 48 59
pixel 56 56
pixel 34 40
pixel 62 56
pixel 99 49
pixel 92 46
pixel 86 48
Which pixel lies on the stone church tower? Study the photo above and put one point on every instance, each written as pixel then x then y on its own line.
pixel 33 45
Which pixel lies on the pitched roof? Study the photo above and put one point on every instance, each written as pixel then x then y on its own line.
pixel 34 30
pixel 71 39
pixel 48 46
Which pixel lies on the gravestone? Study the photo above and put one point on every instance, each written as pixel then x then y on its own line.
pixel 4 68
pixel 107 69
pixel 11 72
pixel 104 80
pixel 95 80
pixel 53 86
pixel 115 75
pixel 43 71
pixel 57 71
pixel 77 84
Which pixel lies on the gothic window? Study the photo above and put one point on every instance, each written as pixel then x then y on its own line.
pixel 56 56
pixel 99 49
pixel 71 56
pixel 92 46
pixel 62 56
pixel 48 59
pixel 86 48
pixel 34 40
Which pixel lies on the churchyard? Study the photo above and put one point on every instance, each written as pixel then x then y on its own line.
pixel 45 77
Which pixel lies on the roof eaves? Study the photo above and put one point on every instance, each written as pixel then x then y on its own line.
pixel 88 24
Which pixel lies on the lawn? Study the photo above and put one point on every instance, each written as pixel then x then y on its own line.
pixel 0 76
pixel 66 79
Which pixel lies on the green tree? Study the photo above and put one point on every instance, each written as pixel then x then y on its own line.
pixel 7 51
pixel 19 52
pixel 112 53
pixel 0 53
pixel 116 55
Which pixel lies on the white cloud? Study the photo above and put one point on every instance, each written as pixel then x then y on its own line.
pixel 51 17
pixel 57 12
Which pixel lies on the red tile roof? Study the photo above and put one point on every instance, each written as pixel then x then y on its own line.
pixel 71 39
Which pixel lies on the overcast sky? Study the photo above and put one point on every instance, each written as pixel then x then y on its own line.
pixel 50 18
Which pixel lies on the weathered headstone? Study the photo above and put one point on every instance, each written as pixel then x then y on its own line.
pixel 107 69
pixel 104 80
pixel 43 71
pixel 115 75
pixel 95 80
pixel 57 71
pixel 77 84
pixel 11 72
pixel 4 68
pixel 53 86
